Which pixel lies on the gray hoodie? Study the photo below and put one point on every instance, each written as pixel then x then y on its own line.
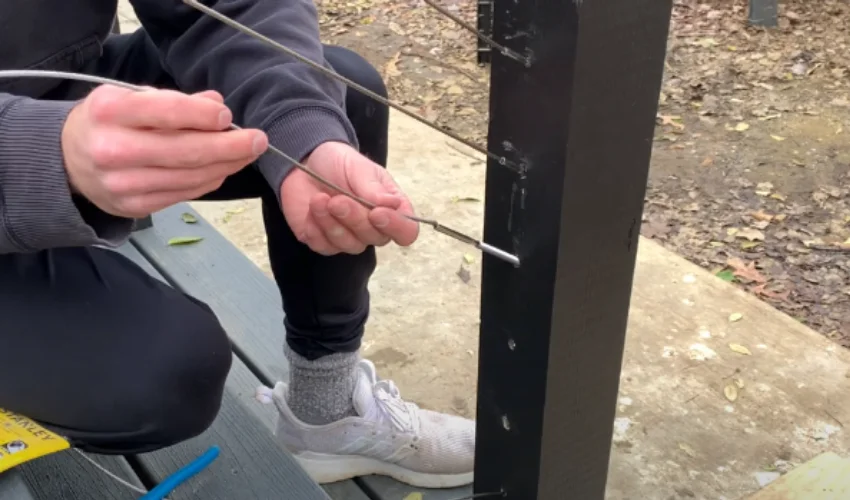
pixel 297 106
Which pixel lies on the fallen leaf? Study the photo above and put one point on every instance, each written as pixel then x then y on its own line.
pixel 726 275
pixel 184 240
pixel 764 188
pixel 746 270
pixel 740 349
pixel 762 216
pixel 750 234
pixel 741 127
pixel 230 213
pixel 465 199
pixel 455 90
pixel 670 120
pixel 464 275
pixel 731 392
pixel 735 317
pixel 189 218
pixel 469 259
pixel 764 292
pixel 391 68
pixel 777 138
pixel 414 496
pixel 750 245
pixel 687 449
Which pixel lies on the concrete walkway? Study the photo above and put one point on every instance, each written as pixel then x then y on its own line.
pixel 708 406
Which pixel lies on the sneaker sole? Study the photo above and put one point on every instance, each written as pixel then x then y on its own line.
pixel 324 469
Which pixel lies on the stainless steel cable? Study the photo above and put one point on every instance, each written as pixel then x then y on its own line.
pixel 505 51
pixel 457 235
pixel 500 159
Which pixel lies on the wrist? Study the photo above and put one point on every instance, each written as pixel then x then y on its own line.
pixel 67 140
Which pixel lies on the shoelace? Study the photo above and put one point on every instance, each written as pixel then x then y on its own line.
pixel 400 414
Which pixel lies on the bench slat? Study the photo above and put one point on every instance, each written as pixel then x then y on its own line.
pixel 68 476
pixel 13 486
pixel 251 464
pixel 248 305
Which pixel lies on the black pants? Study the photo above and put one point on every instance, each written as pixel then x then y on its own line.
pixel 82 352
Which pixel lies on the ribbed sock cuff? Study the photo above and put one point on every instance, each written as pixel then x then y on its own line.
pixel 320 391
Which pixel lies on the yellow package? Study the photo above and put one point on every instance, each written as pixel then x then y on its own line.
pixel 22 440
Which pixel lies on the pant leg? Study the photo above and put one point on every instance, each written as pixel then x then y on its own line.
pixel 325 299
pixel 105 355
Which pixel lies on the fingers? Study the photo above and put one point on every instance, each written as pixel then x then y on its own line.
pixel 145 204
pixel 137 148
pixel 141 181
pixel 355 218
pixel 210 94
pixel 160 109
pixel 336 233
pixel 395 225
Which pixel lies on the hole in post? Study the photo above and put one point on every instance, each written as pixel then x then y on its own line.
pixel 506 423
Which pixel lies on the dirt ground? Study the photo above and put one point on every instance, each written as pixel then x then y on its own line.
pixel 749 174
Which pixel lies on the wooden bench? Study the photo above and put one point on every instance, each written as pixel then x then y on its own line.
pixel 251 465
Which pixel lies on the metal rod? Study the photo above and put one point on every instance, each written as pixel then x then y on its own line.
pixel 457 235
pixel 505 51
pixel 354 85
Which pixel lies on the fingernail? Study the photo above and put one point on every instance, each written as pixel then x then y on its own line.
pixel 260 144
pixel 340 211
pixel 381 220
pixel 225 118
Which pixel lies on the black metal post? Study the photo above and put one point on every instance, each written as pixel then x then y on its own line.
pixel 581 119
pixel 485 27
pixel 764 13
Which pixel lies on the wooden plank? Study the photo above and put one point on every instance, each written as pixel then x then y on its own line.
pixel 251 464
pixel 825 477
pixel 244 306
pixel 764 13
pixel 13 486
pixel 68 476
pixel 249 306
pixel 579 121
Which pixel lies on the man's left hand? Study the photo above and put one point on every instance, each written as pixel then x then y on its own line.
pixel 331 223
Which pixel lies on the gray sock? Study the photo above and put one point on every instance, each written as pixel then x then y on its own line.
pixel 320 391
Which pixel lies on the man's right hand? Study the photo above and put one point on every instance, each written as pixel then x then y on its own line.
pixel 132 153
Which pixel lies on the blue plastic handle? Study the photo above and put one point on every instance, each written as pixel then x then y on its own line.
pixel 188 471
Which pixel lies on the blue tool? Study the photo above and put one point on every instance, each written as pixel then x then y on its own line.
pixel 188 471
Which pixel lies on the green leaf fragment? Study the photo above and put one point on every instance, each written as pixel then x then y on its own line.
pixel 184 240
pixel 726 275
pixel 189 218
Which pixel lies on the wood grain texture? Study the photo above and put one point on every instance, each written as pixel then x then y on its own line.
pixel 68 476
pixel 580 122
pixel 215 272
pixel 249 306
pixel 13 486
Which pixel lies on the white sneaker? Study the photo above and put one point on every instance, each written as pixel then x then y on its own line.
pixel 389 437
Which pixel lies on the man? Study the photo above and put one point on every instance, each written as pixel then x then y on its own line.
pixel 120 363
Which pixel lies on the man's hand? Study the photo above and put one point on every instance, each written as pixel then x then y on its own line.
pixel 133 153
pixel 331 223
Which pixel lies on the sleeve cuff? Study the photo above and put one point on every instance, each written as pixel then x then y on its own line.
pixel 37 209
pixel 297 134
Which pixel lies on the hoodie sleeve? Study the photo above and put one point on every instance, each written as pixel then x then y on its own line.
pixel 37 209
pixel 296 105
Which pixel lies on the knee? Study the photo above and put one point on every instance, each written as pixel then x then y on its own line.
pixel 355 67
pixel 182 393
